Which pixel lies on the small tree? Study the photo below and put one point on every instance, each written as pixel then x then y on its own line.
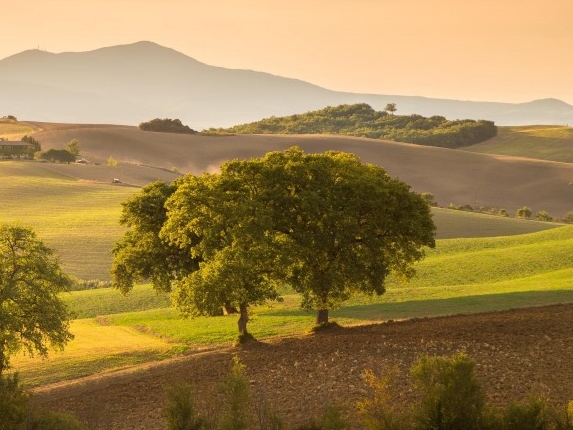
pixel 452 397
pixel 73 147
pixel 543 216
pixel 391 108
pixel 568 218
pixel 524 213
pixel 58 155
pixel 32 315
pixel 238 398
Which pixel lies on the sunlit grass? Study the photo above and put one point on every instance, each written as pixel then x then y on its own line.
pixel 78 219
pixel 542 142
pixel 15 131
pixel 96 348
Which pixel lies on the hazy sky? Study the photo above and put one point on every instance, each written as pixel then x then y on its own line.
pixel 493 50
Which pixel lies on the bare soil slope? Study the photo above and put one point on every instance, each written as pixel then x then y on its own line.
pixel 453 176
pixel 517 352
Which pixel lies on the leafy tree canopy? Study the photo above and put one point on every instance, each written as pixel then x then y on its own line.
pixel 166 125
pixel 58 155
pixel 362 120
pixel 32 316
pixel 327 224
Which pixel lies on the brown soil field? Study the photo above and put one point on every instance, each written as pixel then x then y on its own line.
pixel 518 352
pixel 453 176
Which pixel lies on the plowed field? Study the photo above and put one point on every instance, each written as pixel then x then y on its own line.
pixel 517 352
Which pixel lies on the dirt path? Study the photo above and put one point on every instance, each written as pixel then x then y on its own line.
pixel 516 352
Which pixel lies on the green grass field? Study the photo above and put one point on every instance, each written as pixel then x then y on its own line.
pixel 78 219
pixel 552 143
pixel 481 263
pixel 458 276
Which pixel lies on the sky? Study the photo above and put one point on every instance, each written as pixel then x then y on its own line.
pixel 481 50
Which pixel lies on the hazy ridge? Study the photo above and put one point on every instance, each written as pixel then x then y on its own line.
pixel 128 84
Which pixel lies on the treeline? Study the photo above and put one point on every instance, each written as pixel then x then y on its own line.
pixel 166 125
pixel 361 120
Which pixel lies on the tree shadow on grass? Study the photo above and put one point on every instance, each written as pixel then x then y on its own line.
pixel 441 307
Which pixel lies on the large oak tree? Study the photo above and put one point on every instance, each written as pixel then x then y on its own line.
pixel 327 224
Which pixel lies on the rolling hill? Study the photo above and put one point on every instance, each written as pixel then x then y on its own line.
pixel 453 176
pixel 128 84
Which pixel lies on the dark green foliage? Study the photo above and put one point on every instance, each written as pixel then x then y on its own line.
pixel 452 397
pixel 180 409
pixel 35 144
pixel 58 155
pixel 14 403
pixel 140 254
pixel 523 212
pixel 166 125
pixel 238 399
pixel 532 415
pixel 51 420
pixel 362 120
pixel 32 314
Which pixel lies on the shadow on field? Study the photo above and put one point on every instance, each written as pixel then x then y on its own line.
pixel 442 307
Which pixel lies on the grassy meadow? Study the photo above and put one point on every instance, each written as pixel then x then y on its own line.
pixel 78 219
pixel 481 263
pixel 459 276
pixel 543 142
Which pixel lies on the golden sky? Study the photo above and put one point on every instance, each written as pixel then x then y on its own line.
pixel 492 50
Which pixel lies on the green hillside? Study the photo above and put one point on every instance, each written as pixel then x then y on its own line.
pixel 78 219
pixel 458 276
pixel 361 120
pixel 554 143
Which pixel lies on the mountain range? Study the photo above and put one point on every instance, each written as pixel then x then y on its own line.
pixel 129 84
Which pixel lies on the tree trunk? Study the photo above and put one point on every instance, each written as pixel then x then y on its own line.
pixel 322 317
pixel 243 319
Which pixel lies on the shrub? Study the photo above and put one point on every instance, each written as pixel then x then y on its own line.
pixel 524 213
pixel 429 198
pixel 51 420
pixel 568 218
pixel 180 409
pixel 112 162
pixel 14 403
pixel 332 419
pixel 543 216
pixel 503 212
pixel 377 412
pixel 238 398
pixel 452 397
pixel 533 415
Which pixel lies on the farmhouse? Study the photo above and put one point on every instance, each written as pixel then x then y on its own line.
pixel 14 149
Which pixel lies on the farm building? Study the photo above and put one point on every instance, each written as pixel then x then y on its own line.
pixel 15 149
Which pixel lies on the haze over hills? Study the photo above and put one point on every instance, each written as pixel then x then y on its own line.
pixel 128 84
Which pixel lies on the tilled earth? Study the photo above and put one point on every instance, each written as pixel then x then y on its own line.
pixel 517 352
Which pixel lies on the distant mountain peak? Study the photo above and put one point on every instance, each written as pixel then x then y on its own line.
pixel 135 82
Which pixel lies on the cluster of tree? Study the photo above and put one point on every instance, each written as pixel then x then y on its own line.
pixel 166 125
pixel 36 147
pixel 8 118
pixel 326 224
pixel 67 155
pixel 524 212
pixel 362 120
